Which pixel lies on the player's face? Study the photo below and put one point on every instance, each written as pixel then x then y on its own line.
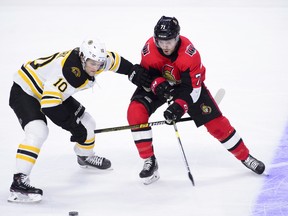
pixel 167 46
pixel 92 67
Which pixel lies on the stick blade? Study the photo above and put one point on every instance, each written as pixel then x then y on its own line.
pixel 219 95
pixel 191 178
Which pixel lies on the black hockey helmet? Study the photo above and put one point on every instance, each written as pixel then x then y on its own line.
pixel 166 28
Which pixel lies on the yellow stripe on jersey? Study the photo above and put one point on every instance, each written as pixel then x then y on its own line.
pixel 52 94
pixel 32 80
pixel 84 84
pixel 66 54
pixel 50 102
pixel 50 99
pixel 114 67
pixel 33 74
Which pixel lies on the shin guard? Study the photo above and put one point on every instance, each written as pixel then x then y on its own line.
pixel 137 114
pixel 221 129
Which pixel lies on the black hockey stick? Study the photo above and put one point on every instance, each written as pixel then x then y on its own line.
pixel 183 154
pixel 182 151
pixel 218 98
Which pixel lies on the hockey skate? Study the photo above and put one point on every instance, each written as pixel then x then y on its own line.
pixel 150 173
pixel 22 191
pixel 254 164
pixel 93 162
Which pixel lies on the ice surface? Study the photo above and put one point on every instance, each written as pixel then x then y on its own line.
pixel 244 47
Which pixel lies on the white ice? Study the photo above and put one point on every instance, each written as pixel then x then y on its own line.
pixel 244 46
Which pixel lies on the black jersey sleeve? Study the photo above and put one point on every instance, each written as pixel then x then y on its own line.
pixel 125 67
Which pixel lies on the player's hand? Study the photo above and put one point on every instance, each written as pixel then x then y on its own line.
pixel 162 89
pixel 78 131
pixel 175 111
pixel 140 76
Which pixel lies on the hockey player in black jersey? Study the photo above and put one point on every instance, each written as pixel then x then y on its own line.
pixel 44 88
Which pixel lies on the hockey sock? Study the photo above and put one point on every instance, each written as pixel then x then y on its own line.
pixel 137 114
pixel 221 129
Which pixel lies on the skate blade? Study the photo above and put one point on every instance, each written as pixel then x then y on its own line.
pixel 94 168
pixel 151 179
pixel 24 198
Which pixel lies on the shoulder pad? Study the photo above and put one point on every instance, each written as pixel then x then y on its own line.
pixel 72 69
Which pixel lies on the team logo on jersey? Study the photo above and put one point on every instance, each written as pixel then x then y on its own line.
pixel 76 71
pixel 205 109
pixel 190 50
pixel 145 50
pixel 167 72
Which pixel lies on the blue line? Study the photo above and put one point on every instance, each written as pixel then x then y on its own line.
pixel 273 199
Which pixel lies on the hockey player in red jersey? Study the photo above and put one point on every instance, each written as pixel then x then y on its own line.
pixel 44 88
pixel 176 73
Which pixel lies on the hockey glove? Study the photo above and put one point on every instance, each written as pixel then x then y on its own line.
pixel 175 111
pixel 140 76
pixel 162 89
pixel 78 131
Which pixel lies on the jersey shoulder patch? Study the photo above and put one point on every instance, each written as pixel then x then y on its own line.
pixel 146 50
pixel 72 69
pixel 190 50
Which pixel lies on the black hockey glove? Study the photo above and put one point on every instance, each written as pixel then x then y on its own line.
pixel 162 89
pixel 62 118
pixel 175 111
pixel 78 131
pixel 140 76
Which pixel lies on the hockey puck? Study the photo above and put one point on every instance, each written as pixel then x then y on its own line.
pixel 73 213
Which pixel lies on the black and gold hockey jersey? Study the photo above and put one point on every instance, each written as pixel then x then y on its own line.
pixel 53 79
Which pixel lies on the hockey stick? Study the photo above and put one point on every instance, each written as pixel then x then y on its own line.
pixel 218 98
pixel 183 153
